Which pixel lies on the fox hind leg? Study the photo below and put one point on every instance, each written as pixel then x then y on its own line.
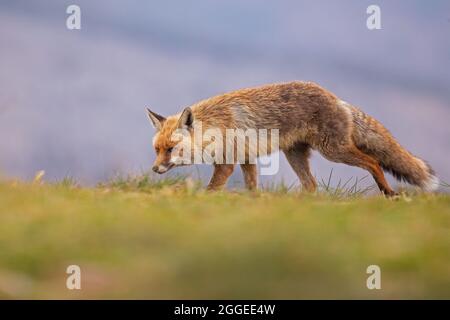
pixel 351 155
pixel 250 173
pixel 298 158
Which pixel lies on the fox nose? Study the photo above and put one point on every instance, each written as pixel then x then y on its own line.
pixel 155 168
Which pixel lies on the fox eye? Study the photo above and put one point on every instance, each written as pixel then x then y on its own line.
pixel 169 150
pixel 157 150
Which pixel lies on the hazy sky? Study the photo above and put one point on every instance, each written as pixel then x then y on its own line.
pixel 72 101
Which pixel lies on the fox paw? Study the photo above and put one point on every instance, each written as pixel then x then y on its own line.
pixel 392 195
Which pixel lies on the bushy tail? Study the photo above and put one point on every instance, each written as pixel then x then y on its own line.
pixel 373 138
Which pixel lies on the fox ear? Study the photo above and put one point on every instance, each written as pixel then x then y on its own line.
pixel 156 119
pixel 186 119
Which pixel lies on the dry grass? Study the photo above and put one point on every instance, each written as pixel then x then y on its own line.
pixel 137 237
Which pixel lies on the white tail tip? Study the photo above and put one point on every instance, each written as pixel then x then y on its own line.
pixel 431 184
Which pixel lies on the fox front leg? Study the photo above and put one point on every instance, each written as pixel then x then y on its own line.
pixel 250 173
pixel 220 176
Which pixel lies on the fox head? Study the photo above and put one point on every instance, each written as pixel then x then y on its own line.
pixel 169 150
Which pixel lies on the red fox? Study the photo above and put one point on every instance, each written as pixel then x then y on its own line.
pixel 307 117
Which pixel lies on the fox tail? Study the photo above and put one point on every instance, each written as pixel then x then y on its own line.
pixel 374 139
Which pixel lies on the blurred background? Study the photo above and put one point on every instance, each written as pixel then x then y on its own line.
pixel 72 101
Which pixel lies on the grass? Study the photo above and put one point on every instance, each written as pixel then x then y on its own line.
pixel 140 237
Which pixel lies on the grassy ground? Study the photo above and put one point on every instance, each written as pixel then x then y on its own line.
pixel 135 238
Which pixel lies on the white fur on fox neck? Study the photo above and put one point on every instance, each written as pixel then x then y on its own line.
pixel 176 160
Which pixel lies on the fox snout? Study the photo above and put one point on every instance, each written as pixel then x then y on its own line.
pixel 159 169
pixel 162 168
